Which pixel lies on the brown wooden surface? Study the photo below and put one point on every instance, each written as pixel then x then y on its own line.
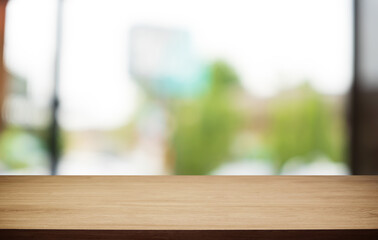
pixel 189 202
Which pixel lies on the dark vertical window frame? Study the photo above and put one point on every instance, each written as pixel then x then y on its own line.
pixel 54 148
pixel 364 99
pixel 354 100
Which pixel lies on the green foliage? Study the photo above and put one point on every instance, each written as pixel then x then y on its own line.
pixel 205 127
pixel 304 126
pixel 20 149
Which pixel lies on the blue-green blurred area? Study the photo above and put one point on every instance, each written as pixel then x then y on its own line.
pixel 22 152
pixel 242 90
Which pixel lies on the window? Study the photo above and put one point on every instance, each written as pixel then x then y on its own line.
pixel 181 87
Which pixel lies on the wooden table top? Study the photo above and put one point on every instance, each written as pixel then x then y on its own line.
pixel 189 202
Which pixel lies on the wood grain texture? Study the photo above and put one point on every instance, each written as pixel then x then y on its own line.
pixel 189 202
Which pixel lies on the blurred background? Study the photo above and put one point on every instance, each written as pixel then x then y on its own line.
pixel 200 87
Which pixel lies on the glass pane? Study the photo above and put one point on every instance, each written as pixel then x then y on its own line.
pixel 201 86
pixel 29 41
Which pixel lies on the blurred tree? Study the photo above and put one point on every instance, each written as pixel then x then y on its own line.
pixel 205 127
pixel 21 149
pixel 303 125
